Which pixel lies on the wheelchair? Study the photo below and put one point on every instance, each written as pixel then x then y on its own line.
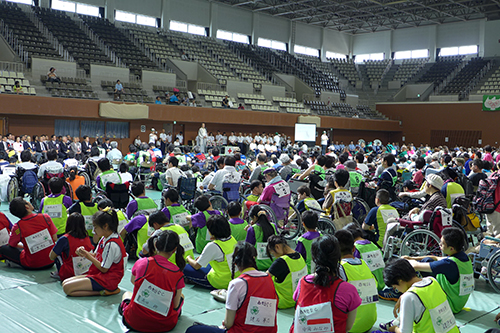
pixel 486 263
pixel 41 189
pixel 117 193
pixel 18 184
pixel 186 187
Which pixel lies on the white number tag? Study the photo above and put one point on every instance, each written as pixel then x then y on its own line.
pixel 181 219
pixel 446 217
pixel 122 224
pixel 261 312
pixel 388 213
pixel 54 211
pixel 296 276
pixel 4 237
pixel 314 318
pixel 185 242
pixel 81 265
pixel 154 298
pixel 262 251
pixel 466 284
pixel 342 196
pixel 373 259
pixel 282 189
pixel 39 241
pixel 312 204
pixel 88 222
pixel 367 290
pixel 442 318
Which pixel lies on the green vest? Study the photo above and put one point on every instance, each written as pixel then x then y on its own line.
pixel 320 171
pixel 286 288
pixel 453 191
pixel 355 179
pixel 263 261
pixel 202 235
pixel 311 202
pixel 253 198
pixel 143 235
pixel 459 292
pixel 87 213
pixel 307 243
pixel 263 168
pixel 238 231
pixel 362 278
pixel 110 176
pixel 146 204
pixel 437 316
pixel 122 220
pixel 220 274
pixel 184 241
pixel 55 208
pixel 373 257
pixel 384 212
pixel 178 215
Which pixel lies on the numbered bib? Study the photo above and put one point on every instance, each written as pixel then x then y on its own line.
pixel 373 259
pixel 367 290
pixel 88 222
pixel 314 318
pixel 282 189
pixel 154 298
pixel 466 284
pixel 262 251
pixel 312 204
pixel 54 211
pixel 296 276
pixel 39 241
pixel 442 318
pixel 81 265
pixel 261 312
pixel 342 196
pixel 446 216
pixel 181 219
pixel 388 213
pixel 4 237
pixel 185 242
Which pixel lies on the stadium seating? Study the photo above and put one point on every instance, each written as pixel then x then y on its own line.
pixel 492 85
pixel 466 75
pixel 375 69
pixel 133 92
pixel 8 79
pixel 69 88
pixel 409 68
pixel 441 69
pixel 348 69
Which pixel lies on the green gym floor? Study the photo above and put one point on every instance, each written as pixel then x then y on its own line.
pixel 31 301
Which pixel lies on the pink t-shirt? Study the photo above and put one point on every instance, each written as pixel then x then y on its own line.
pixel 140 268
pixel 488 157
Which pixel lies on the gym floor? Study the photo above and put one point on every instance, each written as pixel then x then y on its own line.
pixel 31 301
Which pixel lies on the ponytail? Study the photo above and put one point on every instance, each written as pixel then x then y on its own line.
pixel 243 256
pixel 325 252
pixel 106 216
pixel 168 241
pixel 262 221
pixel 72 173
pixel 273 241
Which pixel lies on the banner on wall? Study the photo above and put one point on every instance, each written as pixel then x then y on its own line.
pixel 123 111
pixel 491 102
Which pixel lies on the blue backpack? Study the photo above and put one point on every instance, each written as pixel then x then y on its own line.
pixel 30 179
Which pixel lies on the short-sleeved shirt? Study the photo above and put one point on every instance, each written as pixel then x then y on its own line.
pixel 211 252
pixel 67 202
pixel 174 174
pixel 226 175
pixel 237 290
pixel 136 223
pixel 310 235
pixel 448 267
pixel 15 234
pixel 199 220
pixel 475 178
pixel 112 253
pixel 140 266
pixel 118 86
pixel 279 268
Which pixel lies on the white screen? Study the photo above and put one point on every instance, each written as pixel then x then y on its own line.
pixel 305 132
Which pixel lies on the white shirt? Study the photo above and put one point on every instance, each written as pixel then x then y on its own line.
pixel 277 139
pixel 163 136
pixel 70 162
pixel 226 175
pixel 211 252
pixel 202 133
pixel 169 138
pixel 18 146
pixel 152 138
pixel 324 140
pixel 112 254
pixel 411 309
pixel 51 167
pixel 237 290
pixel 126 177
pixel 174 174
pixel 181 138
pixel 233 139
pixel 224 139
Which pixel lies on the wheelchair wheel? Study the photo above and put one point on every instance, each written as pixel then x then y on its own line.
pixel 12 189
pixel 37 195
pixel 271 216
pixel 219 203
pixel 466 238
pixel 325 226
pixel 291 226
pixel 359 209
pixel 69 190
pixel 420 243
pixel 493 271
pixel 85 175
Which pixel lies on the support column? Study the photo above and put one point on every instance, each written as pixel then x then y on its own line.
pixel 165 14
pixel 214 11
pixel 109 10
pixel 432 42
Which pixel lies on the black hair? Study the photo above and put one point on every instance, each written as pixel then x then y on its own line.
pixel 73 171
pixel 202 203
pixel 325 252
pixel 273 241
pixel 453 236
pixel 262 157
pixel 341 177
pixel 137 188
pixel 157 217
pixel 173 160
pixel 17 207
pixel 420 163
pixel 83 193
pixel 389 159
pixel 310 219
pixel 94 151
pixel 195 169
pixel 132 148
pixel 383 196
pixel 56 185
pixel 271 172
pixel 25 156
pixel 304 189
pixel 346 241
pixel 447 159
pixel 52 155
pixel 234 208
pixel 477 162
pixel 71 154
pixel 101 218
pixel 398 270
pixel 168 241
pixel 488 148
pixel 254 184
pixel 219 227
pixel 123 167
pixel 105 202
pixel 330 161
pixel 220 162
pixel 104 164
pixel 215 152
pixel 243 257
pixel 171 194
pixel 354 229
pixel 262 221
pixel 75 226
pixel 229 160
pixel 487 165
pixel 359 157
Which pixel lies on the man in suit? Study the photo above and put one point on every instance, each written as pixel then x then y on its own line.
pixel 63 148
pixel 40 148
pixel 86 146
pixel 106 145
pixel 4 145
pixel 53 143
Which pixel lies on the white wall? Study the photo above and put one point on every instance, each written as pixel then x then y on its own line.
pixel 234 19
pixel 308 35
pixel 491 39
pixel 335 41
pixel 372 43
pixel 457 34
pixel 271 27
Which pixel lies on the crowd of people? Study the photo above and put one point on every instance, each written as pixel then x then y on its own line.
pixel 332 280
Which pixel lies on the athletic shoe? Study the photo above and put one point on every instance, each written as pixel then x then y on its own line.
pixel 389 294
pixel 219 295
pixel 385 326
pixel 109 292
pixel 55 275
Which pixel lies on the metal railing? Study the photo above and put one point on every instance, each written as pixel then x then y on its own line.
pixel 14 43
pixel 478 77
pixel 181 84
pixel 208 86
pixel 12 66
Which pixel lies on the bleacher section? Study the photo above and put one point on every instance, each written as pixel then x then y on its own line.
pixel 26 33
pixel 69 88
pixel 409 68
pixel 376 69
pixel 348 69
pixel 120 44
pixel 492 85
pixel 78 44
pixel 248 55
pixel 441 69
pixel 464 77
pixel 330 81
pixel 133 92
pixel 342 110
pixel 8 79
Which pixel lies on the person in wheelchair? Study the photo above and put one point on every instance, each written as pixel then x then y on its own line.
pixel 226 175
pixel 51 166
pixel 453 272
pixel 338 202
pixel 108 175
pixel 140 201
pixel 375 223
pixel 26 180
pixel 276 194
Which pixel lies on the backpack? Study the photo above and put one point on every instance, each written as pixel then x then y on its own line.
pixel 29 180
pixel 466 183
pixel 484 200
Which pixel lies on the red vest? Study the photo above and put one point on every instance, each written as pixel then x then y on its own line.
pixel 311 294
pixel 262 287
pixel 66 270
pixel 114 275
pixel 139 314
pixel 28 227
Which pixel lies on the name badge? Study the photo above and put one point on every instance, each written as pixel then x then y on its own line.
pixel 367 290
pixel 314 318
pixel 282 189
pixel 39 241
pixel 154 298
pixel 181 219
pixel 262 251
pixel 54 211
pixel 261 312
pixel 185 242
pixel 4 237
pixel 81 265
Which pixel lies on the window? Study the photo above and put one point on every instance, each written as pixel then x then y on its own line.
pixel 94 129
pixel 372 56
pixel 67 127
pixel 117 130
pixel 233 36
pixel 469 49
pixel 273 44
pixel 133 18
pixel 306 50
pixel 456 50
pixel 26 2
pixel 402 55
pixel 333 55
pixel 124 16
pixel 146 20
pixel 64 5
pixel 415 54
pixel 189 28
pixel 87 9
